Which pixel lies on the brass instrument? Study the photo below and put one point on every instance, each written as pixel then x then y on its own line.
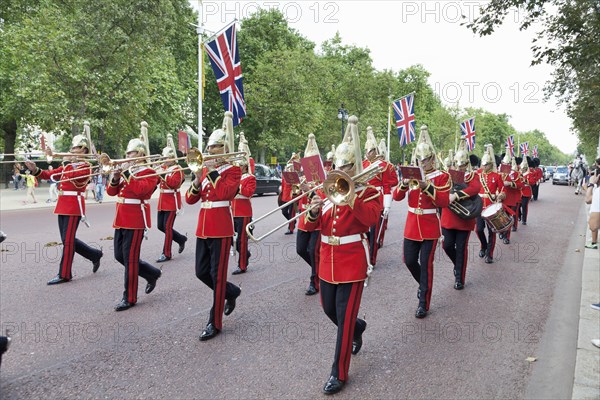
pixel 104 167
pixel 339 188
pixel 194 159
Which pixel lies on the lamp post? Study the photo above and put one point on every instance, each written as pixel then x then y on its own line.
pixel 342 116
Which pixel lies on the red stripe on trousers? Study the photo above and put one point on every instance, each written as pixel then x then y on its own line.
pixel 465 259
pixel 430 275
pixel 317 261
pixel 349 325
pixel 244 244
pixel 68 249
pixel 169 234
pixel 221 282
pixel 292 225
pixel 133 265
pixel 374 245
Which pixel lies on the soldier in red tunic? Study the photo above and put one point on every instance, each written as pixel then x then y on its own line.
pixel 492 190
pixel 241 206
pixel 169 202
pixel 308 240
pixel 455 229
pixel 288 192
pixel 422 229
pixel 132 221
pixel 70 206
pixel 345 256
pixel 539 175
pixel 529 177
pixel 216 184
pixel 512 188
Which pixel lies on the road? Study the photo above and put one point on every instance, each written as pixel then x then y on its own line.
pixel 69 343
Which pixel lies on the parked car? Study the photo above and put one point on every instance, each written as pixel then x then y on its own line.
pixel 561 176
pixel 267 180
pixel 549 172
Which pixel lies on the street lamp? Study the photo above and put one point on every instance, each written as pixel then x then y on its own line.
pixel 342 116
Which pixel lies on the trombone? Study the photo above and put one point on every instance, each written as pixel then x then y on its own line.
pixel 194 159
pixel 105 166
pixel 339 188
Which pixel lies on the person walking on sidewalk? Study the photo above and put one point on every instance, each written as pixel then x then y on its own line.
pixel 52 189
pixel 31 183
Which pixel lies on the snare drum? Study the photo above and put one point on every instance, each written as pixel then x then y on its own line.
pixel 496 218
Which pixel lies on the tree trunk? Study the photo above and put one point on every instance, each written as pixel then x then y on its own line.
pixel 10 137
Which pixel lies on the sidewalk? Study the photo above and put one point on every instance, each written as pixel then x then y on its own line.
pixel 586 382
pixel 11 199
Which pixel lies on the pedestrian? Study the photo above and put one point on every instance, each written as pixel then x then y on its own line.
pixel 91 187
pixel 31 183
pixel 17 177
pixel 344 256
pixel 52 189
pixel 592 197
pixel 214 186
pixel 70 207
pixel 100 184
pixel 132 221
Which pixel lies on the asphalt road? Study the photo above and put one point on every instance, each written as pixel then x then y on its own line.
pixel 69 343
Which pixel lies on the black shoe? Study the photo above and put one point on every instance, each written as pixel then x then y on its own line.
pixel 524 222
pixel 421 312
pixel 481 253
pixel 163 258
pixel 311 290
pixel 56 280
pixel 333 385
pixel 2 236
pixel 209 332
pixel 96 264
pixel 124 305
pixel 514 229
pixel 357 341
pixel 458 285
pixel 489 260
pixel 506 241
pixel 230 305
pixel 289 232
pixel 238 271
pixel 151 284
pixel 501 235
pixel 182 246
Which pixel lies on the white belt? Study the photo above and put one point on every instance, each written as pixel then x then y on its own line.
pixel 240 196
pixel 69 193
pixel 214 204
pixel 339 240
pixel 421 211
pixel 169 190
pixel 123 200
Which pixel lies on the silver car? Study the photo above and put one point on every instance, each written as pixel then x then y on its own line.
pixel 561 176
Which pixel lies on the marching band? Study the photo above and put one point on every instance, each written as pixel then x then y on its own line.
pixel 341 220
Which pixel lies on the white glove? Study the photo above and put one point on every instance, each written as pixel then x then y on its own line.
pixel 453 197
pixel 386 211
pixel 387 201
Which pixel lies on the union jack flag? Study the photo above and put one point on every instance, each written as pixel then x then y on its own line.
pixel 524 148
pixel 467 128
pixel 510 145
pixel 534 152
pixel 225 61
pixel 404 112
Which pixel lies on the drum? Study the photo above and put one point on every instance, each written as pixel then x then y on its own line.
pixel 496 218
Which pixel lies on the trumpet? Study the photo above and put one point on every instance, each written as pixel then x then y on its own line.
pixel 104 167
pixel 194 159
pixel 339 189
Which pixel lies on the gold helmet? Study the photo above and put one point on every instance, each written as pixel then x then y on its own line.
pixel 382 148
pixel 136 145
pixel 169 151
pixel 524 165
pixel 449 161
pixel 348 152
pixel 462 154
pixel 243 146
pixel 371 142
pixel 488 156
pixel 425 147
pixel 224 135
pixel 80 141
pixel 311 146
pixel 331 154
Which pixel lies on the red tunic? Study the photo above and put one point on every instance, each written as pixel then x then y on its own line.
pixel 529 178
pixel 170 197
pixel 422 221
pixel 491 186
pixel 346 262
pixel 303 204
pixel 241 206
pixel 68 202
pixel 452 221
pixel 513 192
pixel 216 191
pixel 133 196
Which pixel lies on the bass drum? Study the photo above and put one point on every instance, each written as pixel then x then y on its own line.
pixel 497 219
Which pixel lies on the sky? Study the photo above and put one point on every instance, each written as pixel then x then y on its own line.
pixel 492 72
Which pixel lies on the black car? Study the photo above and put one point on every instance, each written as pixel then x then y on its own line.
pixel 267 180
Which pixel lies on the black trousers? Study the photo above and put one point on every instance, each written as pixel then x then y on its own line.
pixel 289 212
pixel 166 220
pixel 128 243
pixel 307 244
pixel 67 225
pixel 535 189
pixel 3 346
pixel 418 257
pixel 456 246
pixel 486 245
pixel 341 303
pixel 212 257
pixel 374 240
pixel 524 208
pixel 241 242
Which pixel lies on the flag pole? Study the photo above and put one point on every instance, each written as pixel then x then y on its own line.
pixel 389 126
pixel 200 31
pixel 457 129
